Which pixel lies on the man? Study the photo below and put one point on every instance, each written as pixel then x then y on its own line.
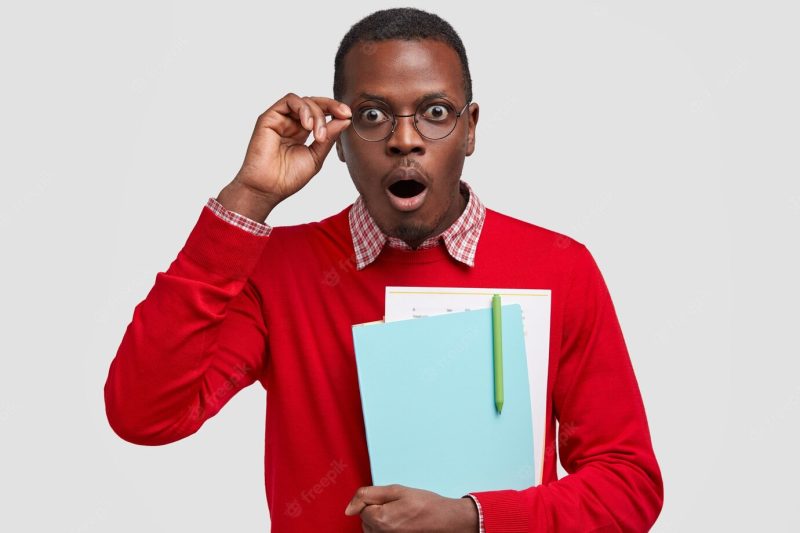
pixel 244 301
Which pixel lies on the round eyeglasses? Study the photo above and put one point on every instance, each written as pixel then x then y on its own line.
pixel 434 119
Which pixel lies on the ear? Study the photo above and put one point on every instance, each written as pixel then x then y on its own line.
pixel 339 149
pixel 474 111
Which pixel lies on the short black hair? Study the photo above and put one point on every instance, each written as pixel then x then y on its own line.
pixel 404 23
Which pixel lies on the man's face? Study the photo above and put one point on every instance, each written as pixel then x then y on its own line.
pixel 401 73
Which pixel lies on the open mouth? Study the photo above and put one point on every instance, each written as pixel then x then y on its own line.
pixel 406 188
pixel 407 194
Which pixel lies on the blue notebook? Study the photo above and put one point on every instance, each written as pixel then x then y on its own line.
pixel 427 394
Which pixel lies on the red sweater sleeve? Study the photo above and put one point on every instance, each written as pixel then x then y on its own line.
pixel 614 482
pixel 193 342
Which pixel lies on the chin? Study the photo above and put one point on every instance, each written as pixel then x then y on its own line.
pixel 411 232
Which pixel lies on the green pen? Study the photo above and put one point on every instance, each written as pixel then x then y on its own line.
pixel 497 351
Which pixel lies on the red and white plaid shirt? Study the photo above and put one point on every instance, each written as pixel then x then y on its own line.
pixel 460 239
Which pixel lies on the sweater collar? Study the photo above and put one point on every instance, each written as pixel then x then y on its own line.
pixel 460 239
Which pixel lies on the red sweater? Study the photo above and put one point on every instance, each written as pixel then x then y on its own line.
pixel 234 308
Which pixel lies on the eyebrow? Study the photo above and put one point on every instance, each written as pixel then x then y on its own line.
pixel 426 96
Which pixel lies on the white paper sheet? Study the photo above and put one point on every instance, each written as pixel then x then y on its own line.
pixel 413 302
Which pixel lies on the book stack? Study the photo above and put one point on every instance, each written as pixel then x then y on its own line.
pixel 428 383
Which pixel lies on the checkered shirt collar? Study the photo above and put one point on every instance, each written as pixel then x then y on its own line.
pixel 460 239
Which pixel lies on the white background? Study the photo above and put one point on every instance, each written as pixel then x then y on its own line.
pixel 663 135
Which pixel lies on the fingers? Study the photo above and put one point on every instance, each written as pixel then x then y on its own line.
pixel 321 147
pixel 311 111
pixel 372 517
pixel 321 106
pixel 375 495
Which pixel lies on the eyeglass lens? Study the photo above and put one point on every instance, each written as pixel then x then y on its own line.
pixel 433 119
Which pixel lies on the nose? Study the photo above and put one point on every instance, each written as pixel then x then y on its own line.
pixel 405 139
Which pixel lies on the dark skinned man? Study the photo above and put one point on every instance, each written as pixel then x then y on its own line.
pixel 246 302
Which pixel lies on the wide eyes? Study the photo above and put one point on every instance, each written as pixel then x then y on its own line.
pixel 374 115
pixel 434 112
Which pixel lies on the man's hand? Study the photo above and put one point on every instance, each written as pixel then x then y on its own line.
pixel 402 509
pixel 278 163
